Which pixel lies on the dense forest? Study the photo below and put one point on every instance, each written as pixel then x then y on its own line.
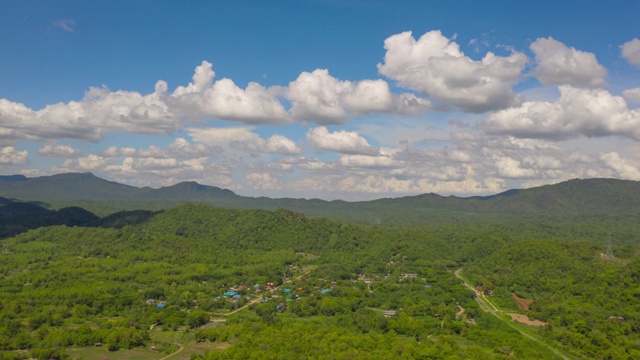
pixel 214 283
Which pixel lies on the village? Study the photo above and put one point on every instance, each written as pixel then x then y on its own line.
pixel 302 284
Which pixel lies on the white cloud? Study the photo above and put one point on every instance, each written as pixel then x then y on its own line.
pixel 263 181
pixel 557 64
pixel 90 162
pixel 632 95
pixel 631 51
pixel 460 156
pixel 585 112
pixel 314 96
pixel 10 156
pixel 462 135
pixel 375 184
pixel 624 168
pixel 319 97
pixel 154 163
pixel 65 24
pixel 182 148
pixel 223 136
pixel 65 151
pixel 223 99
pixel 434 65
pixel 384 184
pixel 202 80
pixel 511 168
pixel 156 113
pixel 113 151
pixel 364 161
pixel 344 142
pixel 179 148
pixel 314 164
pixel 279 144
pixel 100 110
pixel 543 162
pixel 484 165
pixel 243 138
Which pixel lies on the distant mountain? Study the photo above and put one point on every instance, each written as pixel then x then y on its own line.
pixel 589 197
pixel 13 178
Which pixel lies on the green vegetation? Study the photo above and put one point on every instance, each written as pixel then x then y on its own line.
pixel 218 283
pixel 569 201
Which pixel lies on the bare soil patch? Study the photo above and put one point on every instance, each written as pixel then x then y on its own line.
pixel 524 319
pixel 222 345
pixel 523 304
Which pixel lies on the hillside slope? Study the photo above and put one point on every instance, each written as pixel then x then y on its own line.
pixel 589 197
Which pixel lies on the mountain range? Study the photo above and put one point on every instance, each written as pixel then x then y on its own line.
pixel 578 197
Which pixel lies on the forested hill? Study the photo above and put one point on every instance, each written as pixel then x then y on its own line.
pixel 225 282
pixel 17 217
pixel 590 197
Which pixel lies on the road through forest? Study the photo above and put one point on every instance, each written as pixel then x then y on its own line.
pixel 487 306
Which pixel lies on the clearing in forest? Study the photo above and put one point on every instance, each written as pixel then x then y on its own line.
pixel 523 304
pixel 524 319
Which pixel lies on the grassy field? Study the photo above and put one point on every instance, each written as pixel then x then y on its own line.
pixel 101 353
pixel 163 343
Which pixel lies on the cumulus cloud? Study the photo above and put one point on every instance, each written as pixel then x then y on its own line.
pixel 179 148
pixel 223 99
pixel 154 163
pixel 218 136
pixel 631 51
pixel 10 156
pixel 100 110
pixel 244 138
pixel 344 142
pixel 313 164
pixel 319 97
pixel 64 151
pixel 625 168
pixel 315 96
pixel 87 163
pixel 157 113
pixel 512 168
pixel 364 161
pixel 263 181
pixel 557 64
pixel 434 65
pixel 386 184
pixel 278 144
pixel 588 112
pixel 632 95
pixel 148 171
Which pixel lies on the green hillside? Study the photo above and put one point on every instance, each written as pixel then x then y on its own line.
pixel 566 200
pixel 65 288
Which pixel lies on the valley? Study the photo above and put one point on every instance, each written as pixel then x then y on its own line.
pixel 194 281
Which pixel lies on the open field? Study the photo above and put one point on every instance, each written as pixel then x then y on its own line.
pixel 524 319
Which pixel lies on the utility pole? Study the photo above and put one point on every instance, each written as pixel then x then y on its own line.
pixel 609 254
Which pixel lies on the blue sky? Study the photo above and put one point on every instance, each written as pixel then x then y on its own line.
pixel 331 99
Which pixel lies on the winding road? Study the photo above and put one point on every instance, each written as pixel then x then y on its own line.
pixel 174 353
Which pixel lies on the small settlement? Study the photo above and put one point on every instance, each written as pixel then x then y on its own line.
pixel 286 290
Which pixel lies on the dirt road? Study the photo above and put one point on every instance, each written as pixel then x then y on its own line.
pixel 487 306
pixel 175 353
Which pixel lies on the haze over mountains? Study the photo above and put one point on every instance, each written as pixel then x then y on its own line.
pixel 588 197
